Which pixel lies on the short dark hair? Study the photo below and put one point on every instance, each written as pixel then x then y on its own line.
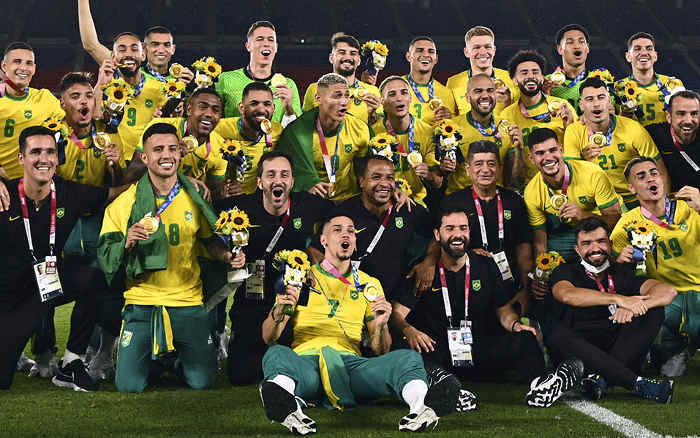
pixel 421 38
pixel 255 86
pixel 159 128
pixel 685 94
pixel 633 162
pixel 525 56
pixel 32 131
pixel 362 164
pixel 333 214
pixel 121 34
pixel 258 24
pixel 446 212
pixel 639 36
pixel 483 147
pixel 15 45
pixel 201 91
pixel 74 77
pixel 540 135
pixel 267 156
pixel 592 82
pixel 589 224
pixel 344 38
pixel 156 29
pixel 568 27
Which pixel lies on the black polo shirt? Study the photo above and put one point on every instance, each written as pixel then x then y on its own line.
pixel 398 245
pixel 17 280
pixel 625 282
pixel 682 173
pixel 487 293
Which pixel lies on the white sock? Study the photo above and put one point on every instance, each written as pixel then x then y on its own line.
pixel 69 357
pixel 285 382
pixel 413 394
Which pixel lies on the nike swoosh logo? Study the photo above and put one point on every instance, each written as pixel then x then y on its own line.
pixel 360 230
pixel 14 218
pixel 436 289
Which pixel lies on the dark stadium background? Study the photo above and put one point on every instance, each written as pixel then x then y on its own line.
pixel 304 27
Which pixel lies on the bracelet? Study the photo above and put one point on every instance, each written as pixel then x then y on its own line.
pixel 512 327
pixel 272 315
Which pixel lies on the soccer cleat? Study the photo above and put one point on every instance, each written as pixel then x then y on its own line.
pixel 547 389
pixel 420 421
pixel 24 363
pixel 466 401
pixel 75 376
pixel 101 367
pixel 675 366
pixel 593 387
pixel 660 391
pixel 443 391
pixel 45 365
pixel 282 407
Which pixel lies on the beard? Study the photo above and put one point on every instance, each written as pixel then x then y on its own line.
pixel 454 253
pixel 528 92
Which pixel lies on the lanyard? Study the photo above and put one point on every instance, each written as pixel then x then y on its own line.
pixel 378 234
pixel 414 85
pixel 575 80
pixel 330 168
pixel 481 129
pixel 611 284
pixel 411 126
pixel 268 137
pixel 609 133
pixel 169 200
pixel 565 184
pixel 279 231
pixel 356 85
pixel 139 86
pixel 155 73
pixel 685 156
pixel 4 81
pixel 446 295
pixel 328 266
pixel 482 222
pixel 670 213
pixel 52 223
pixel 74 138
pixel 184 132
pixel 546 116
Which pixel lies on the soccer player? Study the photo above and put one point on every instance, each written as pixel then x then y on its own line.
pixel 257 104
pixel 271 207
pixel 652 88
pixel 611 318
pixel 261 43
pixel 480 49
pixel 677 139
pixel 673 262
pixel 413 135
pixel 163 292
pixel 20 105
pixel 479 123
pixel 324 363
pixel 572 43
pixel 324 142
pixel 535 109
pixel 619 139
pixel 345 58
pixel 422 57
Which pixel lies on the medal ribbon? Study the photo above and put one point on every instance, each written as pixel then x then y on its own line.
pixel 25 216
pixel 328 266
pixel 609 133
pixel 169 200
pixel 685 156
pixel 155 73
pixel 481 129
pixel 4 81
pixel 611 284
pixel 482 222
pixel 581 76
pixel 414 85
pixel 670 213
pixel 268 137
pixel 74 138
pixel 184 132
pixel 411 134
pixel 547 116
pixel 446 295
pixel 279 231
pixel 330 169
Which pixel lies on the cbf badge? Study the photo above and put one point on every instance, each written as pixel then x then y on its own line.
pixel 297 223
pixel 476 285
pixel 399 222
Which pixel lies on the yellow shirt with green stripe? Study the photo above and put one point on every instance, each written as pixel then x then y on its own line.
pixel 316 324
pixel 527 124
pixel 357 107
pixel 629 140
pixel 229 128
pixel 459 179
pixel 138 114
pixel 423 143
pixel 651 100
pixel 589 188
pixel 179 285
pixel 18 113
pixel 677 249
pixel 421 110
pixel 459 82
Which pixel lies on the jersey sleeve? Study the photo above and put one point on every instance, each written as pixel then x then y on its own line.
pixel 310 97
pixel 369 315
pixel 645 144
pixel 604 192
pixel 573 110
pixel 205 231
pixel 55 107
pixel 572 146
pixel 619 237
pixel 536 216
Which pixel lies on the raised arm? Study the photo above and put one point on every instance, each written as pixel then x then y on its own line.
pixel 88 34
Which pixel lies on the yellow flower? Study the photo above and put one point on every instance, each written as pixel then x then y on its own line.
pixel 381 49
pixel 298 260
pixel 404 185
pixel 231 147
pixel 549 260
pixel 383 140
pixel 118 94
pixel 631 90
pixel 211 68
pixel 52 124
pixel 221 222
pixel 173 88
pixel 603 74
pixel 239 219
pixel 282 255
pixel 367 47
pixel 447 128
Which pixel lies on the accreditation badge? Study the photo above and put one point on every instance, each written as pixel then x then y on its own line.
pixel 255 284
pixel 47 279
pixel 502 263
pixel 460 342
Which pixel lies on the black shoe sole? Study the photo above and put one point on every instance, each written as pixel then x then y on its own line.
pixel 278 403
pixel 591 389
pixel 442 396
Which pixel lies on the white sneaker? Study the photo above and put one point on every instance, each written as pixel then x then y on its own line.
pixel 299 423
pixel 45 366
pixel 547 389
pixel 418 422
pixel 282 407
pixel 24 363
pixel 675 366
pixel 466 401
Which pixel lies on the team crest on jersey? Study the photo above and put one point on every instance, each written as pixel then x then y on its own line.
pixel 583 200
pixel 507 214
pixel 149 103
pixel 348 148
pixel 297 223
pixel 476 285
pixel 621 147
pixel 354 294
pixel 188 216
pixel 126 338
pixel 96 152
pixel 399 222
pixel 60 212
pixel 683 226
pixel 28 114
pixel 416 146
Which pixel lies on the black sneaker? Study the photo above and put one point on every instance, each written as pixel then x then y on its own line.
pixel 660 391
pixel 75 376
pixel 547 389
pixel 593 387
pixel 282 407
pixel 443 391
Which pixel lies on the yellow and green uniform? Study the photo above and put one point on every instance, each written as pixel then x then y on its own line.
pixel 650 98
pixel 423 143
pixel 18 113
pixel 421 110
pixel 629 140
pixel 459 82
pixel 527 124
pixel 230 128
pixel 138 113
pixel 459 179
pixel 357 107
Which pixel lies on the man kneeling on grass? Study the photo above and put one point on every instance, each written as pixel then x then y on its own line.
pixel 327 320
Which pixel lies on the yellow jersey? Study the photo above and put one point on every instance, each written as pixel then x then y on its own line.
pixel 629 140
pixel 317 323
pixel 458 84
pixel 357 107
pixel 527 124
pixel 677 249
pixel 423 143
pixel 138 113
pixel 18 113
pixel 179 285
pixel 231 128
pixel 651 99
pixel 420 107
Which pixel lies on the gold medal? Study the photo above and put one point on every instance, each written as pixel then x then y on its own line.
pixel 370 292
pixel 331 190
pixel 558 201
pixel 598 139
pixel 150 223
pixel 672 84
pixel 558 78
pixel 504 128
pixel 277 80
pixel 498 83
pixel 554 106
pixel 101 140
pixel 360 93
pixel 435 103
pixel 191 143
pixel 414 158
pixel 266 126
pixel 175 70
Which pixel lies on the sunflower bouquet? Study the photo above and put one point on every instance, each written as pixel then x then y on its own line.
pixel 296 266
pixel 374 55
pixel 402 184
pixel 603 74
pixel 116 95
pixel 233 153
pixel 232 226
pixel 643 239
pixel 207 71
pixel 447 137
pixel 174 92
pixel 57 126
pixel 545 265
pixel 384 144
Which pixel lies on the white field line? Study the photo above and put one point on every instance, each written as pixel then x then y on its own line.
pixel 621 424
